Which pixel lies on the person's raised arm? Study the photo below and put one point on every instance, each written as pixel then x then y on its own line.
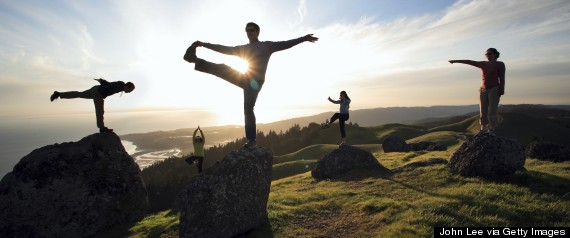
pixel 469 62
pixel 202 135
pixel 194 135
pixel 283 45
pixel 228 50
pixel 101 81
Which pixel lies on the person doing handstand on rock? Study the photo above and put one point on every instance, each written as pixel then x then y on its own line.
pixel 98 93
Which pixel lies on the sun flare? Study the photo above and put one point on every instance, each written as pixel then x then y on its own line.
pixel 239 65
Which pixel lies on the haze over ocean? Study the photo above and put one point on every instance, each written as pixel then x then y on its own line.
pixel 20 137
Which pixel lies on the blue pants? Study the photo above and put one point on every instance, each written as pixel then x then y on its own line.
pixel 250 86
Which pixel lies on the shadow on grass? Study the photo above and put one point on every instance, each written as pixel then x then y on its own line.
pixel 263 231
pixel 541 183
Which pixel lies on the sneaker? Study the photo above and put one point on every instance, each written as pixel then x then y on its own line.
pixel 190 55
pixel 54 96
pixel 491 132
pixel 342 143
pixel 326 125
pixel 250 144
pixel 105 130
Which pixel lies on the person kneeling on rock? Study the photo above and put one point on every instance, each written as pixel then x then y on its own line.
pixel 198 143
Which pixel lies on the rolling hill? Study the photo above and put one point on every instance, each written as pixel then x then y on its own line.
pixel 369 203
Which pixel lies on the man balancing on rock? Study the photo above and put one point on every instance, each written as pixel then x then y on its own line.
pixel 98 93
pixel 257 54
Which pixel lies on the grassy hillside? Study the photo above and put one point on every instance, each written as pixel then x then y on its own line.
pixel 370 203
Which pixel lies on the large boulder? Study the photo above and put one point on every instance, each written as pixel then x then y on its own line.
pixel 394 143
pixel 229 198
pixel 488 156
pixel 73 189
pixel 544 150
pixel 342 160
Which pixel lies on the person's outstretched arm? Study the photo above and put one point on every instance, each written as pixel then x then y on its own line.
pixel 283 45
pixel 228 50
pixel 333 101
pixel 469 62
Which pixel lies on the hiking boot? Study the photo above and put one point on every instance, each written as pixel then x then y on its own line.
pixel 105 130
pixel 250 144
pixel 54 96
pixel 190 55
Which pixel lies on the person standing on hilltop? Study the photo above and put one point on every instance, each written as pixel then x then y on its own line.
pixel 198 144
pixel 342 115
pixel 257 54
pixel 98 93
pixel 491 90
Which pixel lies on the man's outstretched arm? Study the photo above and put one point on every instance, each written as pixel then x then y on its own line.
pixel 228 50
pixel 283 45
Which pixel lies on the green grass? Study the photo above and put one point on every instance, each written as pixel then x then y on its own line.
pixel 312 152
pixel 372 203
pixel 404 131
pixel 409 204
pixel 162 224
pixel 368 203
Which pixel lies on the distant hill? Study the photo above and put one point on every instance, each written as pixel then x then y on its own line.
pixel 377 116
pixel 408 122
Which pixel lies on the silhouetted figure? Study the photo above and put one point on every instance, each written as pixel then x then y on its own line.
pixel 257 54
pixel 98 94
pixel 342 115
pixel 491 90
pixel 198 143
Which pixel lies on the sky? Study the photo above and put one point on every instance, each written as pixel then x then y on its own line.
pixel 383 53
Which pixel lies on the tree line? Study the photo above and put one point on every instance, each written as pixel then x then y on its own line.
pixel 165 179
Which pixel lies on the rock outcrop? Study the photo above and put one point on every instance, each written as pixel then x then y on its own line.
pixel 395 143
pixel 488 156
pixel 544 150
pixel 343 159
pixel 229 198
pixel 73 189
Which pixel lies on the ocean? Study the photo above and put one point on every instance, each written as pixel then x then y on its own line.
pixel 20 136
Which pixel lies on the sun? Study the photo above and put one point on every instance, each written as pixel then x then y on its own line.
pixel 238 64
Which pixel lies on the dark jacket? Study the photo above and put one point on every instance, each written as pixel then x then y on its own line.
pixel 107 89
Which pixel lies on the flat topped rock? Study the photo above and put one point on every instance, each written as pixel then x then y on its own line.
pixel 229 198
pixel 73 189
